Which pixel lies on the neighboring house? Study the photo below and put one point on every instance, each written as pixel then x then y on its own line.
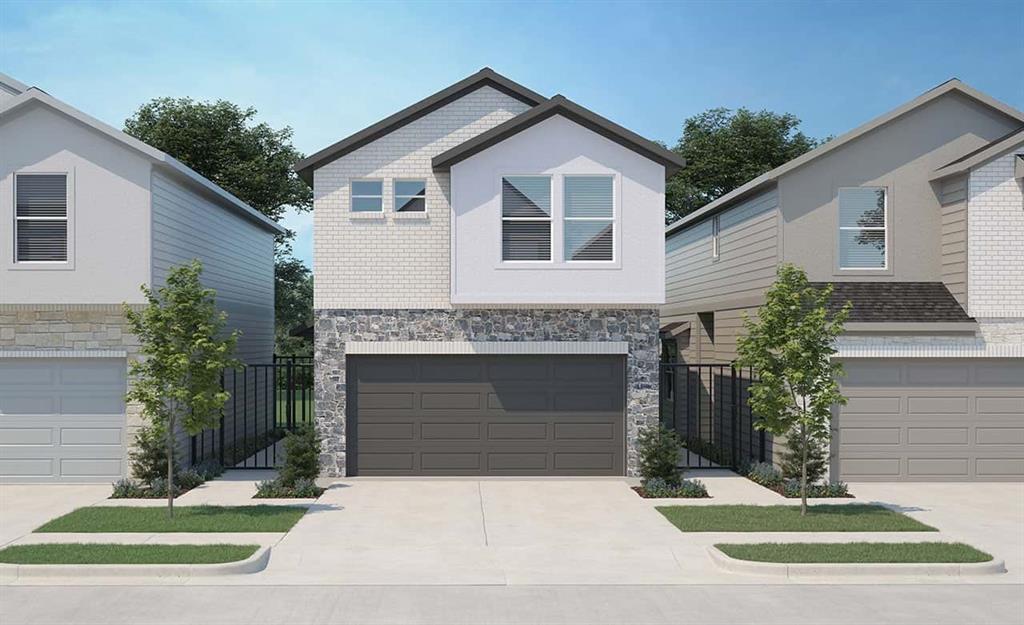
pixel 489 269
pixel 89 214
pixel 917 218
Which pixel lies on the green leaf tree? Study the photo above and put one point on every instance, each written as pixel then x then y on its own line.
pixel 725 149
pixel 790 346
pixel 184 348
pixel 293 306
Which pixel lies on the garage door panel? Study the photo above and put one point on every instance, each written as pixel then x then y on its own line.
pixel 930 405
pixel 106 468
pixel 13 436
pixel 569 461
pixel 92 404
pixel 937 374
pixel 874 375
pixel 937 436
pixel 1000 467
pixel 870 467
pixel 90 436
pixel 1001 405
pixel 593 401
pixel 77 374
pixel 517 462
pixel 20 373
pixel 450 401
pixel 439 370
pixel 585 431
pixel 1000 436
pixel 938 467
pixel 36 404
pixel 518 401
pixel 1003 374
pixel 520 370
pixel 873 405
pixel 26 467
pixel 517 431
pixel 450 431
pixel 870 436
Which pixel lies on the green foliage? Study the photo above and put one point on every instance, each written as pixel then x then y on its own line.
pixel 184 348
pixel 293 306
pixel 148 458
pixel 790 345
pixel 684 489
pixel 274 489
pixel 725 149
pixel 797 448
pixel 301 456
pixel 765 474
pixel 791 489
pixel 126 488
pixel 659 454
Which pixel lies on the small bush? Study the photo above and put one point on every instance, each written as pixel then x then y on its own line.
pixel 158 488
pixel 659 454
pixel 301 456
pixel 791 489
pixel 791 459
pixel 765 474
pixel 269 489
pixel 275 489
pixel 188 479
pixel 659 488
pixel 126 488
pixel 209 469
pixel 148 458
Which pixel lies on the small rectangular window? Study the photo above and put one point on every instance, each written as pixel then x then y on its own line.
pixel 863 220
pixel 589 218
pixel 410 196
pixel 367 196
pixel 715 241
pixel 41 218
pixel 525 218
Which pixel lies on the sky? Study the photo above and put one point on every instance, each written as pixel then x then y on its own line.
pixel 329 69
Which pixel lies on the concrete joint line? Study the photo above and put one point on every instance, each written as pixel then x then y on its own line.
pixel 483 516
pixel 815 570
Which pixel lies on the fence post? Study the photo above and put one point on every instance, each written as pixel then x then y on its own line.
pixel 222 421
pixel 735 423
pixel 290 395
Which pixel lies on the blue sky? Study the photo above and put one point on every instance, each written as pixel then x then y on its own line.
pixel 329 69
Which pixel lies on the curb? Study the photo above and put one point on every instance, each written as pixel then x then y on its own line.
pixel 900 569
pixel 253 564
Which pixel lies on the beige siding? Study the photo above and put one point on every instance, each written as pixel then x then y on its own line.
pixel 953 198
pixel 728 328
pixel 698 345
pixel 748 255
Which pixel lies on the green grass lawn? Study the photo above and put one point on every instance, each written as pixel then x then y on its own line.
pixel 302 408
pixel 125 554
pixel 792 553
pixel 820 518
pixel 186 519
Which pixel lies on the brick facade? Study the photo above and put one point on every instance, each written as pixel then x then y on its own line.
pixel 995 232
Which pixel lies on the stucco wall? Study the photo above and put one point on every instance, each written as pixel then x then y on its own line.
pixel 996 239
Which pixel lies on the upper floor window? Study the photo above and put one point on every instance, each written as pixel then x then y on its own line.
pixel 367 196
pixel 716 249
pixel 526 218
pixel 41 218
pixel 863 220
pixel 410 196
pixel 589 218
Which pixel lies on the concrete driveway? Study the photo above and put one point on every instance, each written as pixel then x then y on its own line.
pixel 24 507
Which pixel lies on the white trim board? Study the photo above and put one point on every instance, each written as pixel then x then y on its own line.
pixel 486 347
pixel 64 353
pixel 972 349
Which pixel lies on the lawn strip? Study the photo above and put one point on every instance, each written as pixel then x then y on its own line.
pixel 862 553
pixel 186 519
pixel 819 518
pixel 77 553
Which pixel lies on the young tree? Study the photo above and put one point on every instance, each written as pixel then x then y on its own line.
pixel 184 349
pixel 790 347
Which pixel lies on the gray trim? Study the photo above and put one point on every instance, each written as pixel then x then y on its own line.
pixel 560 105
pixel 770 177
pixel 912 327
pixel 12 84
pixel 487 347
pixel 674 310
pixel 1018 168
pixel 981 155
pixel 486 77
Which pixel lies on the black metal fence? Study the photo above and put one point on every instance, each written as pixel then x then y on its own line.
pixel 266 401
pixel 708 405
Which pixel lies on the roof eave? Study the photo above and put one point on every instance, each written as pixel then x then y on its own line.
pixel 995 150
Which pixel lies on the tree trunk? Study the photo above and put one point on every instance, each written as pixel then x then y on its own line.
pixel 170 469
pixel 803 470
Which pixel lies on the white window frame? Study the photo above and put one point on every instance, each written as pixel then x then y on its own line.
pixel 353 195
pixel 550 219
pixel 69 247
pixel 614 220
pixel 884 229
pixel 716 243
pixel 396 196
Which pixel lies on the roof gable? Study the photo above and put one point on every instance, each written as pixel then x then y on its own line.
pixel 484 78
pixel 12 85
pixel 559 105
pixel 983 154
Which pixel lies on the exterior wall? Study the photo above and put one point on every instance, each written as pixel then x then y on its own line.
pixel 396 260
pixel 109 214
pixel 237 257
pixel 748 255
pixel 335 328
pixel 557 147
pixel 996 239
pixel 953 199
pixel 900 156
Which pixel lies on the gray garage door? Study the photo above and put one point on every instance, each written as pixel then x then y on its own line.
pixel 932 420
pixel 61 419
pixel 486 415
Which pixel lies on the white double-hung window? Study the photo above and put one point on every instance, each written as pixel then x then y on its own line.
pixel 589 214
pixel 526 218
pixel 367 196
pixel 41 218
pixel 863 224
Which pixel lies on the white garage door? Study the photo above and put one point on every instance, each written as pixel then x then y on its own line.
pixel 62 419
pixel 932 420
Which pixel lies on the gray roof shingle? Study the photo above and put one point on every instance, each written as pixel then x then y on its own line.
pixel 906 302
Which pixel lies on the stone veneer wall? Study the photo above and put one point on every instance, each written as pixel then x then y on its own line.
pixel 333 328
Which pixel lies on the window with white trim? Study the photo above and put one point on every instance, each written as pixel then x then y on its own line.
pixel 863 220
pixel 716 249
pixel 367 196
pixel 41 218
pixel 526 218
pixel 410 196
pixel 589 214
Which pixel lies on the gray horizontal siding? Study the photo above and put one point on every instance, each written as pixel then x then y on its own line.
pixel 748 256
pixel 953 198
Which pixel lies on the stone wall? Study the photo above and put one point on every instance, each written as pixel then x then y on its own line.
pixel 334 328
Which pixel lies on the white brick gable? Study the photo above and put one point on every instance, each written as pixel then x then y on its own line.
pixel 995 235
pixel 400 260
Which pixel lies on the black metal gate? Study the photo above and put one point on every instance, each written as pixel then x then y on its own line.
pixel 266 401
pixel 708 405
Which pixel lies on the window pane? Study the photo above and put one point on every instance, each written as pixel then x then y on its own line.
pixel 410 187
pixel 588 196
pixel 366 204
pixel 863 208
pixel 526 196
pixel 367 187
pixel 410 204
pixel 42 240
pixel 862 249
pixel 42 195
pixel 589 240
pixel 526 240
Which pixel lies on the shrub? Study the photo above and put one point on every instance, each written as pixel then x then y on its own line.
pixel 765 474
pixel 188 479
pixel 209 469
pixel 126 488
pixel 658 487
pixel 158 488
pixel 269 489
pixel 148 458
pixel 306 488
pixel 792 458
pixel 301 456
pixel 659 454
pixel 791 489
pixel 275 489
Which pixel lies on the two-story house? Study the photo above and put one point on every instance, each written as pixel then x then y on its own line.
pixel 489 267
pixel 917 219
pixel 87 215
